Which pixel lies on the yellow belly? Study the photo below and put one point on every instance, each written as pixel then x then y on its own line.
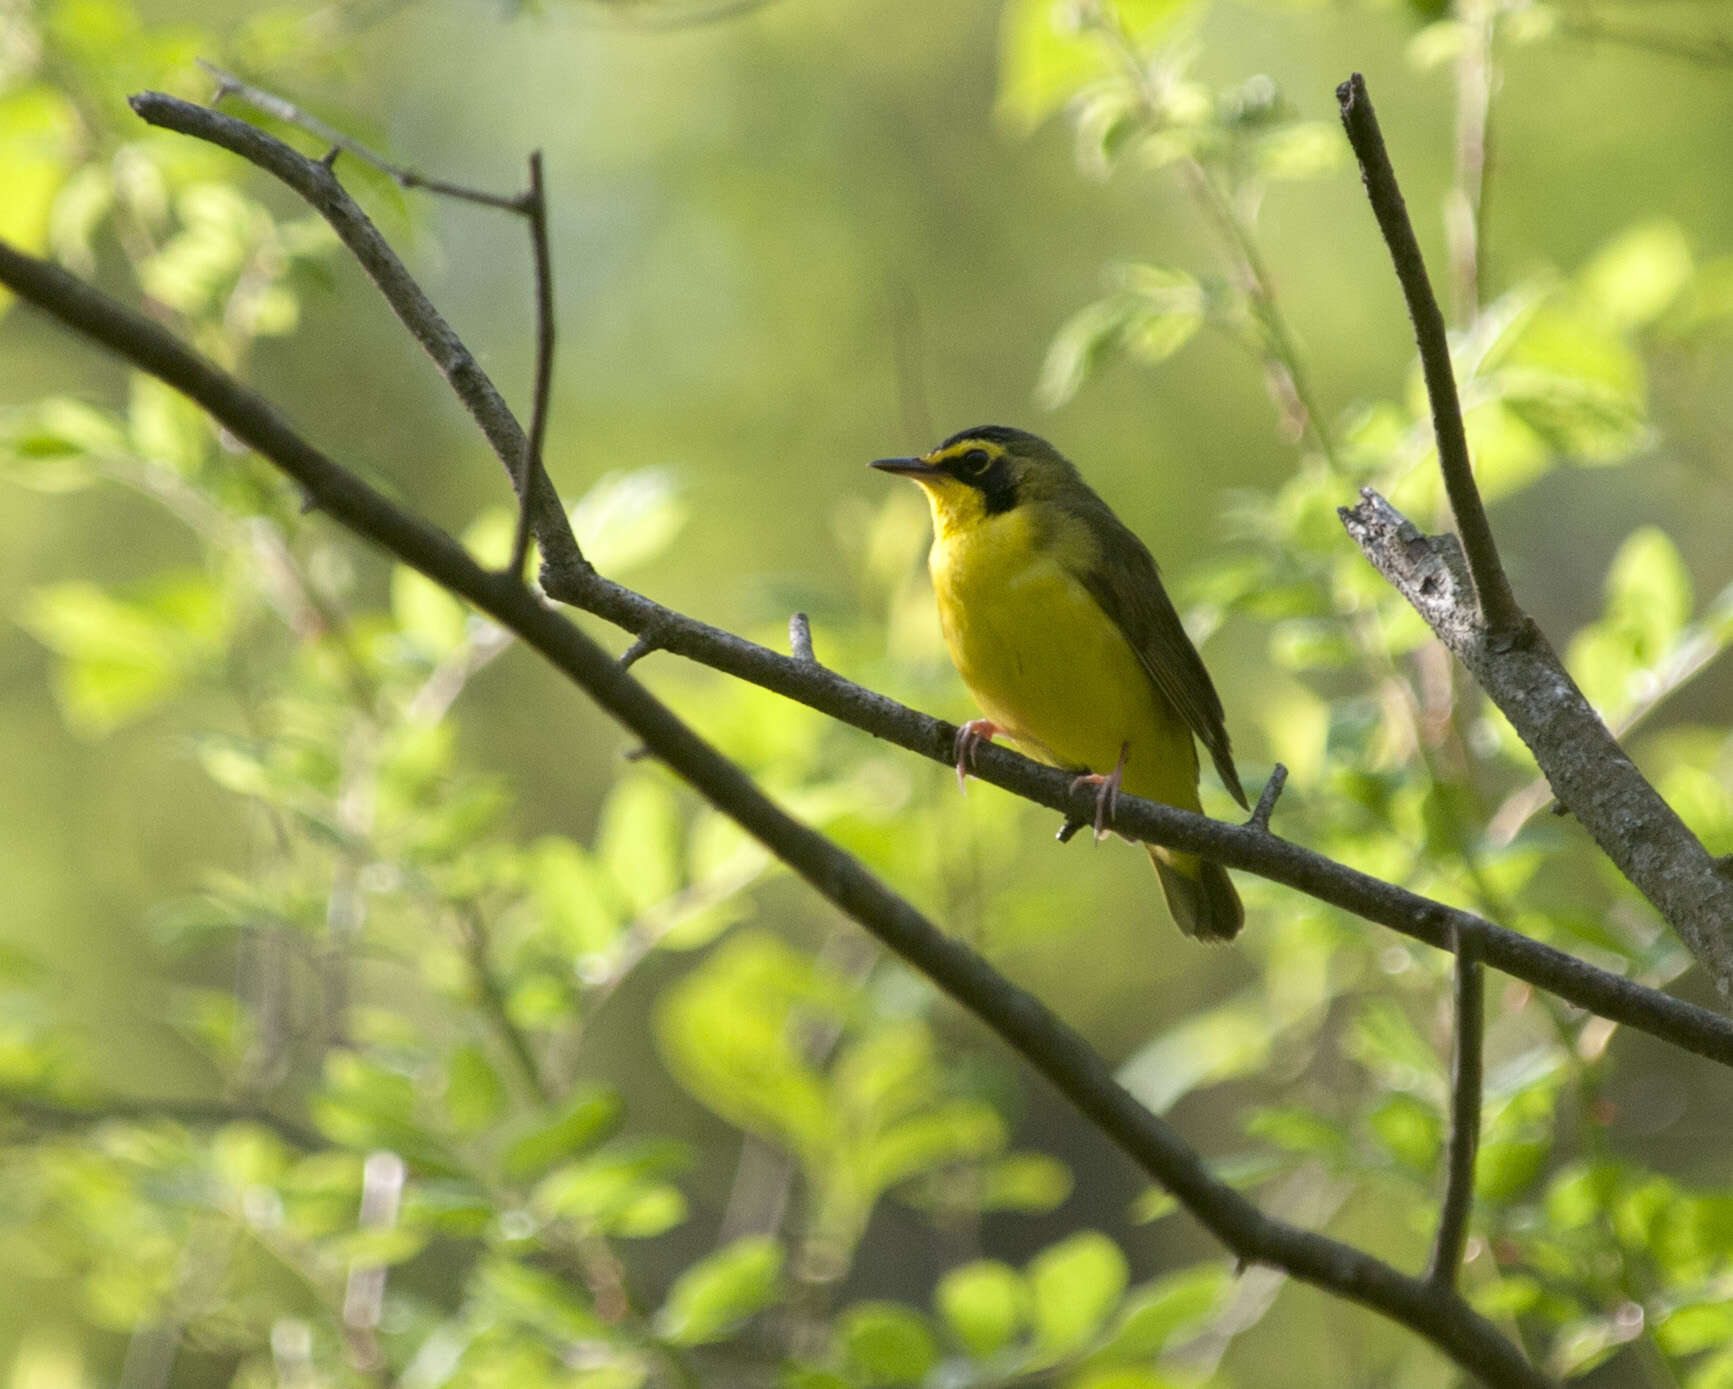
pixel 1048 666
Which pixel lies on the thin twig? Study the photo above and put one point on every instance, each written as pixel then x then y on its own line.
pixel 646 642
pixel 478 952
pixel 1267 802
pixel 1465 1092
pixel 1505 620
pixel 65 1114
pixel 800 639
pixel 315 182
pixel 532 477
pixel 273 105
pixel 1046 1043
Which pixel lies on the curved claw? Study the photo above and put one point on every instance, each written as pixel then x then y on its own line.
pixel 1107 794
pixel 969 737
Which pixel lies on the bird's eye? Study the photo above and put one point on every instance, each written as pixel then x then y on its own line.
pixel 976 461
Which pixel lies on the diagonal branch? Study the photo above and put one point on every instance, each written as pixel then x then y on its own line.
pixel 315 181
pixel 1498 604
pixel 1501 647
pixel 1052 1048
pixel 1465 1089
pixel 1589 772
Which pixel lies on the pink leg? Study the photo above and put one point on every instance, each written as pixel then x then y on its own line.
pixel 1107 798
pixel 969 737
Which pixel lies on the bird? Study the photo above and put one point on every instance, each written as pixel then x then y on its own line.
pixel 1054 614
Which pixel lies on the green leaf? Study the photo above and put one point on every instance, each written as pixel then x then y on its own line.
pixel 891 1072
pixel 577 1125
pixel 1031 1182
pixel 886 1343
pixel 1232 1039
pixel 1508 1167
pixel 1299 150
pixel 475 1096
pixel 730 1033
pixel 1634 278
pixel 1084 342
pixel 623 1184
pixel 721 1291
pixel 1166 1310
pixel 1648 592
pixel 37 131
pixel 1383 1039
pixel 1299 1131
pixel 1043 61
pixel 508 1290
pixel 950 1132
pixel 123 656
pixel 1075 1285
pixel 434 622
pixel 578 903
pixel 627 519
pixel 984 1305
pixel 165 427
pixel 638 841
pixel 54 444
pixel 1409 1129
pixel 1697 1327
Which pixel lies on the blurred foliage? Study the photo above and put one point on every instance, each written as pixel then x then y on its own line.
pixel 423 1144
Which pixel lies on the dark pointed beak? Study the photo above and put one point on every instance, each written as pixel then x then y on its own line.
pixel 905 467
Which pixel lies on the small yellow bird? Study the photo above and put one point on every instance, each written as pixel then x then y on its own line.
pixel 1056 619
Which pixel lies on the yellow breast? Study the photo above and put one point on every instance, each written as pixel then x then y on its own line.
pixel 1045 662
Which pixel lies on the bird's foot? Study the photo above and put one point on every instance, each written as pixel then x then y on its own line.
pixel 969 737
pixel 1107 791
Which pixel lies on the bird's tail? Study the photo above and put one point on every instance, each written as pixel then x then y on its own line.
pixel 1199 894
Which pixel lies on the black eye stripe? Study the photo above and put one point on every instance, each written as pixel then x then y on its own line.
pixel 976 461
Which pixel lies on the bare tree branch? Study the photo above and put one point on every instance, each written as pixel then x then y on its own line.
pixel 1507 622
pixel 1589 772
pixel 1465 1092
pixel 1500 645
pixel 318 184
pixel 531 474
pixel 1052 1048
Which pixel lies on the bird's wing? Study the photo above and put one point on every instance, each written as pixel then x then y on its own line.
pixel 1122 577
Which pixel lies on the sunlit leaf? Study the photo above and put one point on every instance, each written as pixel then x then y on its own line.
pixel 1232 1039
pixel 1633 279
pixel 627 519
pixel 475 1096
pixel 1024 1182
pixel 886 1343
pixel 1075 1285
pixel 720 1291
pixel 575 1126
pixel 984 1304
pixel 638 841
